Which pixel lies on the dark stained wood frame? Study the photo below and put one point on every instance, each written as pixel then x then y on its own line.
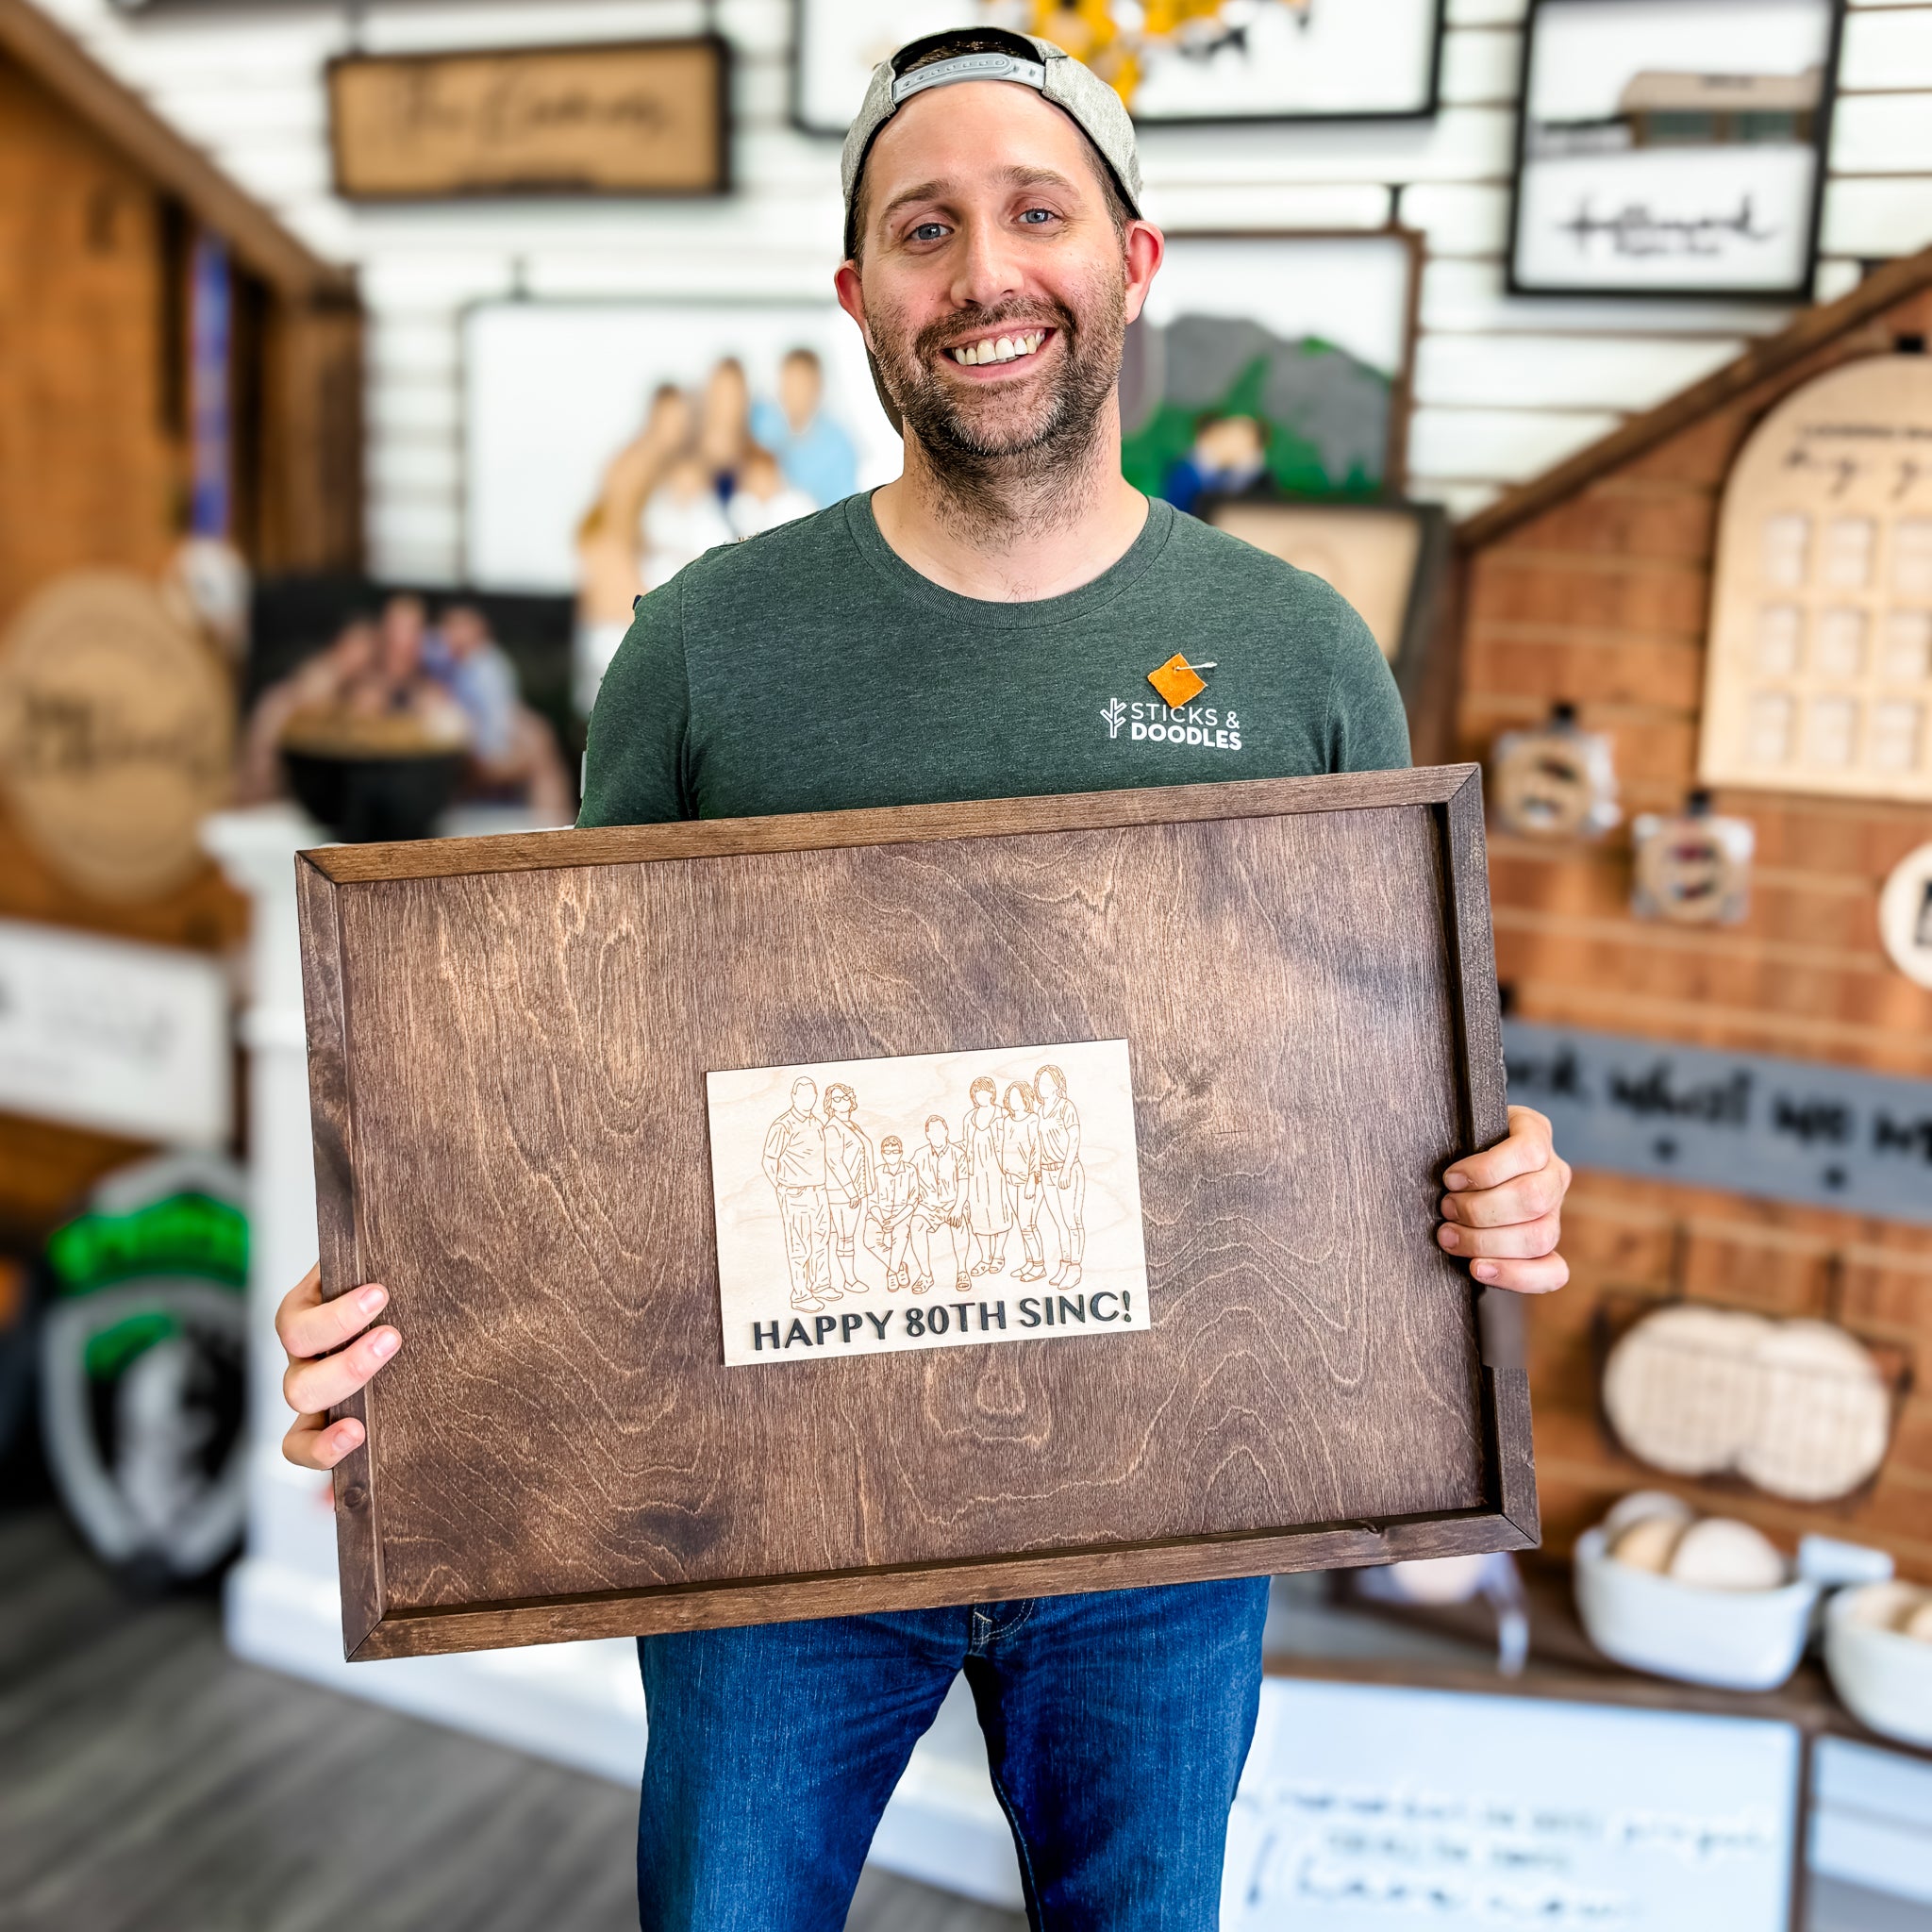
pixel 1509 1519
pixel 719 183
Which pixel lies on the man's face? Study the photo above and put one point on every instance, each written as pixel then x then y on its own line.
pixel 986 224
pixel 803 1095
pixel 935 1135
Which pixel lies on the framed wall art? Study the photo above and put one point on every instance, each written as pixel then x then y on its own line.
pixel 1212 60
pixel 682 1151
pixel 644 117
pixel 1390 561
pixel 1818 673
pixel 555 391
pixel 1275 361
pixel 1671 147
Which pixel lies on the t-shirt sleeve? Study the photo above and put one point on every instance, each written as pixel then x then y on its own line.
pixel 636 765
pixel 1368 729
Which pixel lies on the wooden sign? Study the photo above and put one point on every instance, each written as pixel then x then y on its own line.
pixel 650 117
pixel 511 1041
pixel 117 727
pixel 1819 674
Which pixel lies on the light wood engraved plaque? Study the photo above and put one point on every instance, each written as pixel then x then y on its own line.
pixel 512 1046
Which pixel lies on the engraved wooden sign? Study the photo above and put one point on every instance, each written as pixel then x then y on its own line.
pixel 649 117
pixel 512 1046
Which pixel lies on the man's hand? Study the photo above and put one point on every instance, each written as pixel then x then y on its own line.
pixel 1504 1210
pixel 310 1329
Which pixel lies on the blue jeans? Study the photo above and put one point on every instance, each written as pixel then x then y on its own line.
pixel 1116 1725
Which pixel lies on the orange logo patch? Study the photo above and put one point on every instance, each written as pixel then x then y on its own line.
pixel 1176 681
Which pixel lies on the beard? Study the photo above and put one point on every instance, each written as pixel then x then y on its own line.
pixel 991 450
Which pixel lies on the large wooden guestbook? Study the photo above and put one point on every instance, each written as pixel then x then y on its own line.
pixel 801 1216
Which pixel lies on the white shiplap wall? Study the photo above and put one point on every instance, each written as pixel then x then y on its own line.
pixel 1504 387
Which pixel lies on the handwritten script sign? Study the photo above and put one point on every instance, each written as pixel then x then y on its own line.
pixel 866 1206
pixel 647 118
pixel 1787 1130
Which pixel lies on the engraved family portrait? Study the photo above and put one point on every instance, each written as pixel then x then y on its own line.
pixel 961 1175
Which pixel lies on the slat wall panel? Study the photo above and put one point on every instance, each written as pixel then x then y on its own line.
pixel 1601 599
pixel 1503 388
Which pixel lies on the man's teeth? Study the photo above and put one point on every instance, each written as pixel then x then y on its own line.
pixel 999 349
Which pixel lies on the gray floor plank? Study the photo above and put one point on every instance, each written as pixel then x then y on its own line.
pixel 151 1783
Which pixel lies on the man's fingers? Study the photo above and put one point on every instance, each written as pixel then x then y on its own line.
pixel 311 1445
pixel 1544 1275
pixel 308 1325
pixel 1527 1150
pixel 310 1387
pixel 1525 1198
pixel 1523 1238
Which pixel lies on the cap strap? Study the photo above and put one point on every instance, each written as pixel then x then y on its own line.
pixel 992 66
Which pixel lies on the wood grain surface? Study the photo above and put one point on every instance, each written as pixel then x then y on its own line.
pixel 508 1072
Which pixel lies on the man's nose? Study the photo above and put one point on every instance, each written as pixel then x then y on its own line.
pixel 989 268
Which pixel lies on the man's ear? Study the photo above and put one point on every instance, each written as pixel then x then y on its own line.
pixel 1145 247
pixel 846 286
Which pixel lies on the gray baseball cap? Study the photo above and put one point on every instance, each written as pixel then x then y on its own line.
pixel 970 52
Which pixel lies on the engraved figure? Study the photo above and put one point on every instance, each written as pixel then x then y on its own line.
pixel 1063 1179
pixel 938 1229
pixel 890 1212
pixel 988 1214
pixel 1019 1149
pixel 794 1163
pixel 848 1181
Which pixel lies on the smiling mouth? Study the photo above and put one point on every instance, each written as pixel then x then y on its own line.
pixel 1012 347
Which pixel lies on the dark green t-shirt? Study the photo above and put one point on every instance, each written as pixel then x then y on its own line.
pixel 811 670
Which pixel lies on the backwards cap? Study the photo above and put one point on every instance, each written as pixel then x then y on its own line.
pixel 965 53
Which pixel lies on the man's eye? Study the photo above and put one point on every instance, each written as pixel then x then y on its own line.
pixel 1038 215
pixel 928 232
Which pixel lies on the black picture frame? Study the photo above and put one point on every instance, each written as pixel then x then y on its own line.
pixel 1423 110
pixel 1798 289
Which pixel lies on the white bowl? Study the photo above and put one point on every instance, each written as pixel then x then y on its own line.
pixel 1740 1640
pixel 1884 1676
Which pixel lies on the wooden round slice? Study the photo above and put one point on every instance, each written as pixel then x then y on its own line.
pixel 1681 1389
pixel 1826 1418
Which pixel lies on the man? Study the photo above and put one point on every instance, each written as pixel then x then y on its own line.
pixel 794 1163
pixel 941 1248
pixel 890 1210
pixel 848 1182
pixel 1002 590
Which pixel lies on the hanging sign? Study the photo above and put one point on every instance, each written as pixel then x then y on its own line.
pixel 652 117
pixel 114 1035
pixel 1782 1129
pixel 116 724
pixel 1905 915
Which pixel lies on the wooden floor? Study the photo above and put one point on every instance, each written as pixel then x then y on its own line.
pixel 150 1783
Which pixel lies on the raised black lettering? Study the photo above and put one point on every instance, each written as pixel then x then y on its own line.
pixel 1075 1311
pixel 999 1316
pixel 938 1321
pixel 825 1324
pixel 796 1333
pixel 1029 1312
pixel 1094 1301
pixel 849 1325
pixel 758 1335
pixel 879 1322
